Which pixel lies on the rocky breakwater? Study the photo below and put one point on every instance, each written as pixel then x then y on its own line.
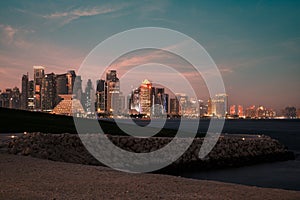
pixel 229 150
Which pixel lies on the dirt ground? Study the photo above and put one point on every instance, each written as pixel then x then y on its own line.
pixel 31 178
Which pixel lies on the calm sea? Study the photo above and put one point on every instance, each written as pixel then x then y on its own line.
pixel 284 175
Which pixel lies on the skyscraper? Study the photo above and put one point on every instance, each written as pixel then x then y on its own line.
pixel 146 97
pixel 24 97
pixel 218 105
pixel 183 102
pixel 77 90
pixel 100 97
pixel 232 110
pixel 38 81
pixel 89 97
pixel 62 84
pixel 160 102
pixel 49 96
pixel 71 76
pixel 134 102
pixel 174 106
pixel 30 100
pixel 240 111
pixel 112 92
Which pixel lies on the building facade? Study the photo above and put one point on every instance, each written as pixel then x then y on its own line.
pixel 39 72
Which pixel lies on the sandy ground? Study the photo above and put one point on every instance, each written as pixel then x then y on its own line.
pixel 31 178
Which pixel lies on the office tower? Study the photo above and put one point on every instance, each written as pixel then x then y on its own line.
pixel 240 111
pixel 38 81
pixel 5 97
pixel 209 107
pixel 218 105
pixel 122 103
pixel 49 96
pixel 232 110
pixel 290 112
pixel 112 92
pixel 250 112
pixel 134 102
pixel 15 98
pixel 183 102
pixel 264 113
pixel 100 97
pixel 24 96
pixel 62 84
pixel 146 97
pixel 166 103
pixel 30 100
pixel 89 102
pixel 174 106
pixel 71 76
pixel 77 91
pixel 11 98
pixel 203 108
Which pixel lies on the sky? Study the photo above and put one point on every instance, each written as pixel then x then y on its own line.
pixel 255 44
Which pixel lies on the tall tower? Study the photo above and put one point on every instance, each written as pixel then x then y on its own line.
pixel 49 95
pixel 112 92
pixel 146 97
pixel 77 91
pixel 89 97
pixel 100 97
pixel 38 82
pixel 30 99
pixel 61 84
pixel 71 76
pixel 24 97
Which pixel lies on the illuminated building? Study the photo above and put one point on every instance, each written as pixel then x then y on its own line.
pixel 11 98
pixel 38 81
pixel 240 111
pixel 77 90
pixel 89 97
pixel 298 113
pixel 71 76
pixel 145 97
pixel 49 97
pixel 134 102
pixel 183 101
pixel 174 106
pixel 218 105
pixel 160 101
pixel 69 106
pixel 30 100
pixel 203 109
pixel 259 112
pixel 264 113
pixel 65 82
pixel 250 112
pixel 290 112
pixel 112 92
pixel 100 97
pixel 232 110
pixel 209 107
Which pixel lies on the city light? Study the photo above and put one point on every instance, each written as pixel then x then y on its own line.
pixel 56 93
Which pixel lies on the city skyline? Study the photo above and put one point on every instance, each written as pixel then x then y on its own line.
pixel 255 45
pixel 50 92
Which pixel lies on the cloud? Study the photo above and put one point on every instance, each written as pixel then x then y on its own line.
pixel 8 33
pixel 14 37
pixel 69 16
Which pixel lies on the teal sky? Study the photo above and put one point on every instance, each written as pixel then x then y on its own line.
pixel 255 44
